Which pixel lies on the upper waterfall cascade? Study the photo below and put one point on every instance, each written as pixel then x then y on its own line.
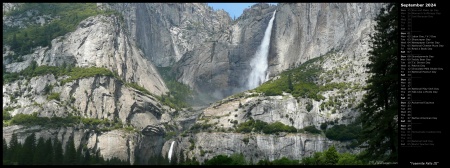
pixel 259 63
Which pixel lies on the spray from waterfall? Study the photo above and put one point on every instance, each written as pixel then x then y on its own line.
pixel 259 62
pixel 170 150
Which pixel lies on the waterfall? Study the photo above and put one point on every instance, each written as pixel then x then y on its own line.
pixel 259 62
pixel 170 150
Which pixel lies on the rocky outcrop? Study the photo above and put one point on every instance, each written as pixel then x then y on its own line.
pixel 98 41
pixel 96 97
pixel 254 147
pixel 9 7
pixel 30 18
pixel 307 30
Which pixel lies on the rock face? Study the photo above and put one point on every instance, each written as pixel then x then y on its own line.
pixel 96 97
pixel 167 31
pixel 116 143
pixel 254 147
pixel 98 41
pixel 9 6
pixel 303 31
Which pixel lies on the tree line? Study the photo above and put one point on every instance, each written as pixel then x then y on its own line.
pixel 50 152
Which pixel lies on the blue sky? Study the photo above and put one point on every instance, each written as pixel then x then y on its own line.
pixel 234 9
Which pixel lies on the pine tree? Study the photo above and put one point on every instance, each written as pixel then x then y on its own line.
pixel 5 150
pixel 87 158
pixel 49 152
pixel 39 153
pixel 26 154
pixel 79 156
pixel 173 160
pixel 379 105
pixel 290 86
pixel 58 153
pixel 137 159
pixel 97 159
pixel 331 156
pixel 70 152
pixel 182 160
pixel 14 148
pixel 14 43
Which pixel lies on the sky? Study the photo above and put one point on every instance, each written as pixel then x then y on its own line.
pixel 234 9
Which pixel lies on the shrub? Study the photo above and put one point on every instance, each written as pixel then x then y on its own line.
pixel 219 160
pixel 234 159
pixel 331 157
pixel 246 140
pixel 343 132
pixel 309 106
pixel 312 129
pixel 169 135
pixel 323 126
pixel 6 115
pixel 54 96
pixel 285 161
pixel 261 126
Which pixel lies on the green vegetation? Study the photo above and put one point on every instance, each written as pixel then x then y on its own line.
pixel 312 129
pixel 197 127
pixel 169 135
pixel 178 94
pixel 234 159
pixel 44 152
pixel 74 73
pixel 70 15
pixel 55 122
pixel 344 132
pixel 282 161
pixel 54 96
pixel 332 157
pixel 298 81
pixel 379 106
pixel 309 106
pixel 261 126
pixel 137 87
pixel 78 73
pixel 323 126
pixel 6 115
pixel 246 140
pixel 327 157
